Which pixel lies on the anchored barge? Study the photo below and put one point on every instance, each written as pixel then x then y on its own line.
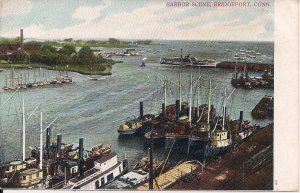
pixel 265 108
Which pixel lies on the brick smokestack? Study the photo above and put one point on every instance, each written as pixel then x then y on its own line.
pixel 21 39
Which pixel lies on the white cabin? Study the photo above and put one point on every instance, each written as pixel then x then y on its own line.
pixel 105 170
pixel 220 138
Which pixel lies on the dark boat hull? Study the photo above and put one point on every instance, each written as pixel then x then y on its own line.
pixel 203 150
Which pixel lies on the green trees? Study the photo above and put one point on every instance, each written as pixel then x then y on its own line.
pixel 86 56
pixel 67 55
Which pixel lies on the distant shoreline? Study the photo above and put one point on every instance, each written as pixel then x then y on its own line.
pixel 84 70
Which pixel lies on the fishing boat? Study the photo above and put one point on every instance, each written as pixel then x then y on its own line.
pixel 105 170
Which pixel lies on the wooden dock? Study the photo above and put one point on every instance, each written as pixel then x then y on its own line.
pixel 172 176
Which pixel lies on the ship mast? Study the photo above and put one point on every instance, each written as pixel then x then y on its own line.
pixel 190 99
pixel 180 91
pixel 224 109
pixel 41 142
pixel 24 129
pixel 209 96
pixel 235 75
pixel 165 94
pixel 198 96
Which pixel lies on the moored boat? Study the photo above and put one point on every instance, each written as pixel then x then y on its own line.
pixel 135 125
pixel 106 169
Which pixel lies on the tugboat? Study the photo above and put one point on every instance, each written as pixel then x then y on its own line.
pixel 212 141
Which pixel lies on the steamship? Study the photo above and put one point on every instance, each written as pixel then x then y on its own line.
pixel 105 170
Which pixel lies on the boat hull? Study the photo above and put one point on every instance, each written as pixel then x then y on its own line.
pixel 203 150
pixel 129 132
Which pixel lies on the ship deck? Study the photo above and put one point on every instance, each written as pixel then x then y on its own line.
pixel 167 179
pixel 92 174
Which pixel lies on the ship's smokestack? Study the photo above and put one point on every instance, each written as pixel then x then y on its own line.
pixel 48 135
pixel 241 120
pixel 58 145
pixel 196 113
pixel 177 110
pixel 141 109
pixel 80 157
pixel 163 113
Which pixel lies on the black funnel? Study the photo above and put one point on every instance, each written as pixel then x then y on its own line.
pixel 80 157
pixel 58 145
pixel 241 120
pixel 141 109
pixel 177 110
pixel 163 113
pixel 48 135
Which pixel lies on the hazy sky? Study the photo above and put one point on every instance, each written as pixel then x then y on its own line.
pixel 134 19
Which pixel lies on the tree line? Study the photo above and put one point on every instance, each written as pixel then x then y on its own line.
pixel 52 56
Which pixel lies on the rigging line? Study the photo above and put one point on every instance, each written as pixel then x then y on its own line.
pixel 167 158
pixel 230 94
pixel 215 125
pixel 216 86
pixel 9 98
pixel 201 115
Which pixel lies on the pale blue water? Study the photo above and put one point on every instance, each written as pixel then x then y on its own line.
pixel 94 110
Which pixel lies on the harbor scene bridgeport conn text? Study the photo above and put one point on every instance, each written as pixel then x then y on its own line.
pixel 138 94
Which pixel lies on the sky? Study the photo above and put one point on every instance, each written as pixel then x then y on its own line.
pixel 135 19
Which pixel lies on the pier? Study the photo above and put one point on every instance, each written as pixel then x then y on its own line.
pixel 248 166
pixel 261 67
pixel 172 176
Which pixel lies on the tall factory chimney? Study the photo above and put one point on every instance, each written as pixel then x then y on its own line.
pixel 21 38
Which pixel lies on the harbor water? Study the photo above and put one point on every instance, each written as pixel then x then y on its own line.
pixel 95 109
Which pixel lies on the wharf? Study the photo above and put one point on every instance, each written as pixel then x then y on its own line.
pixel 250 66
pixel 248 167
pixel 172 176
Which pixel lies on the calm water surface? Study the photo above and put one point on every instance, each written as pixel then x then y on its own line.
pixel 94 109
